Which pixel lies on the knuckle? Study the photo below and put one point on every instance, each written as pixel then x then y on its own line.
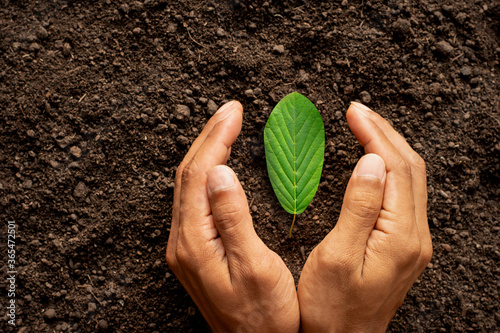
pixel 417 162
pixel 413 251
pixel 182 256
pixel 333 261
pixel 426 254
pixel 188 171
pixel 171 258
pixel 180 168
pixel 404 166
pixel 363 205
pixel 229 215
pixel 257 272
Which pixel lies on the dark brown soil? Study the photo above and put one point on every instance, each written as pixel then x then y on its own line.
pixel 90 141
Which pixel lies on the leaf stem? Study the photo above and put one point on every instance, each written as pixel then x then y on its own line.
pixel 293 222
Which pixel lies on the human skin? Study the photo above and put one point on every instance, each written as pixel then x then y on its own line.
pixel 354 280
pixel 358 276
pixel 236 281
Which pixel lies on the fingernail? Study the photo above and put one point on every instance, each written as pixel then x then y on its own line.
pixel 363 109
pixel 226 109
pixel 371 165
pixel 219 177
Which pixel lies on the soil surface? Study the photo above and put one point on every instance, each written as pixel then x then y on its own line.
pixel 91 135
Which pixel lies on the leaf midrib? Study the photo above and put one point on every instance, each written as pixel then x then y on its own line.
pixel 294 160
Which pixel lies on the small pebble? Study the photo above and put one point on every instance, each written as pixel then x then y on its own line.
pixel 365 97
pixel 103 324
pixel 450 231
pixel 161 128
pixel 303 253
pixel 183 140
pixel 80 190
pixel 443 194
pixel 303 76
pixel 137 31
pixel 401 27
pixel 182 112
pixel 211 107
pixel 49 314
pixel 475 81
pixel 249 93
pixel 35 47
pixel 124 8
pixel 462 260
pixel 349 89
pixel 220 32
pixel 66 50
pixel 446 247
pixel 461 17
pixel 75 151
pixel 41 33
pixel 465 71
pixel 66 141
pixel 92 307
pixel 409 133
pixel 444 48
pixel 28 183
pixel 16 46
pixel 280 49
pixel 172 28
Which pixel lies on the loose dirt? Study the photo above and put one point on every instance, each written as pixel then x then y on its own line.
pixel 100 101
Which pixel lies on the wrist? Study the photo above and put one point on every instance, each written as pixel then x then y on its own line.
pixel 346 325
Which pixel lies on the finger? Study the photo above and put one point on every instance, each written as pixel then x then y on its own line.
pixel 361 207
pixel 398 204
pixel 221 114
pixel 231 214
pixel 419 176
pixel 194 204
pixel 218 116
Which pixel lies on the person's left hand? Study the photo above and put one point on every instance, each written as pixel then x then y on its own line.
pixel 236 281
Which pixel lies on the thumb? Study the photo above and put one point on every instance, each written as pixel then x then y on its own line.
pixel 362 203
pixel 230 212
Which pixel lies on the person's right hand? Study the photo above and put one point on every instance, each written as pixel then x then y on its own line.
pixel 358 276
pixel 236 281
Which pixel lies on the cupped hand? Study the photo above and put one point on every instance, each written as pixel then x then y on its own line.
pixel 238 283
pixel 358 276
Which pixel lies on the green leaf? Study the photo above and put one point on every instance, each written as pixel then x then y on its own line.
pixel 294 139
